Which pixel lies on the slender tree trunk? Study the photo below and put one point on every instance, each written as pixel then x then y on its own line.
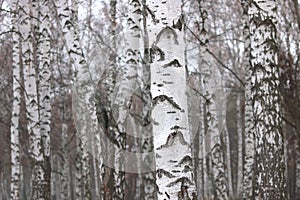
pixel 15 143
pixel 44 91
pixel 264 95
pixel 84 101
pixel 148 159
pixel 106 114
pixel 248 169
pixel 214 175
pixel 128 85
pixel 64 143
pixel 31 97
pixel 241 149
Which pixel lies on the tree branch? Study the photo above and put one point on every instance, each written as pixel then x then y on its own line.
pixel 216 58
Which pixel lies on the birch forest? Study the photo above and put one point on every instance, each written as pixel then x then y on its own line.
pixel 150 100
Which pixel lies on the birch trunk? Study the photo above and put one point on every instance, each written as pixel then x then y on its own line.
pixel 44 91
pixel 105 112
pixel 174 164
pixel 148 159
pixel 31 99
pixel 84 101
pixel 269 152
pixel 248 169
pixel 128 86
pixel 215 183
pixel 15 143
pixel 197 126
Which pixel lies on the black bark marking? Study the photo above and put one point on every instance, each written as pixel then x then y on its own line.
pixel 167 195
pixel 186 160
pixel 130 21
pixel 179 24
pixel 130 52
pixel 166 32
pixel 154 20
pixel 136 2
pixel 187 168
pixel 173 63
pixel 161 172
pixel 171 139
pixel 131 61
pixel 138 12
pixel 176 127
pixel 183 180
pixel 154 50
pixel 171 112
pixel 135 28
pixel 168 82
pixel 162 98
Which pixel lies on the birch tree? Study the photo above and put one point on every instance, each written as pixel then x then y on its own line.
pixel 248 167
pixel 31 98
pixel 44 91
pixel 214 178
pixel 84 100
pixel 104 110
pixel 168 86
pixel 148 159
pixel 264 95
pixel 127 87
pixel 15 143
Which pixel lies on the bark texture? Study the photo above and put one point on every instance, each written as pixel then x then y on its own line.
pixel 269 153
pixel 15 143
pixel 174 164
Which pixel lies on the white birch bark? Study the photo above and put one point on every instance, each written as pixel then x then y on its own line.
pixel 45 90
pixel 84 101
pixel 148 159
pixel 31 98
pixel 127 87
pixel 270 177
pixel 15 143
pixel 174 164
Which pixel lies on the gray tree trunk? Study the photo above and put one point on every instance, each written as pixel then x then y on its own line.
pixel 248 169
pixel 269 152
